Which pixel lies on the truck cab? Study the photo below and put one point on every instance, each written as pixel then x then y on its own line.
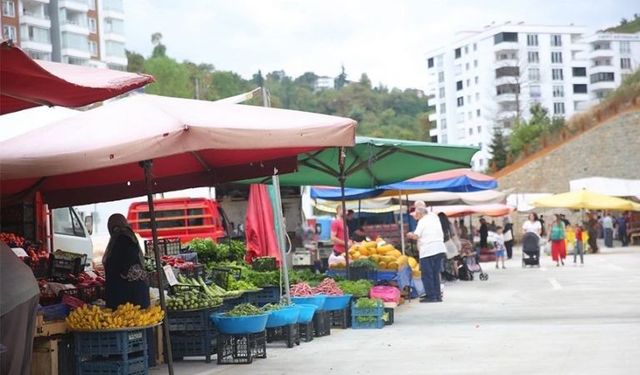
pixel 70 233
pixel 186 218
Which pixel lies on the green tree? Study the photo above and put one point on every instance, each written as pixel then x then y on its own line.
pixel 341 79
pixel 225 84
pixel 172 78
pixel 159 49
pixel 527 133
pixel 135 62
pixel 308 79
pixel 498 149
pixel 257 79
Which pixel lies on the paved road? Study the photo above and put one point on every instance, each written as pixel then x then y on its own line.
pixel 567 320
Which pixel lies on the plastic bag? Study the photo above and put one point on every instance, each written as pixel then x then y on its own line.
pixel 385 293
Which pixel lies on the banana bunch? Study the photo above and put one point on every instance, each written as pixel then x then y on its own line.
pixel 127 315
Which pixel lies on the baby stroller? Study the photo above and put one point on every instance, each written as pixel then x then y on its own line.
pixel 469 266
pixel 530 250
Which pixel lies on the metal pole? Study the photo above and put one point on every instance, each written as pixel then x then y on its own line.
pixel 401 221
pixel 342 178
pixel 148 179
pixel 281 237
pixel 266 102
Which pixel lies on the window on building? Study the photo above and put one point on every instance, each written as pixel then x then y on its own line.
pixel 466 66
pixel 602 77
pixel 470 131
pixel 556 57
pixel 477 97
pixel 443 123
pixel 458 53
pixel 38 55
pixel 441 92
pixel 35 34
pixel 475 63
pixel 535 91
pixel 602 62
pixel 558 109
pixel 440 77
pixel 532 40
pixel 625 46
pixel 468 99
pixel 444 139
pixel 460 101
pixel 505 37
pixel 466 49
pixel 508 88
pixel 477 113
pixel 533 57
pixel 558 91
pixel 475 46
pixel 601 45
pixel 556 40
pixel 508 71
pixel 510 106
pixel 479 130
pixel 580 88
pixel 430 62
pixel 93 25
pixel 439 61
pixel 579 72
pixel 476 80
pixel 9 32
pixel 625 63
pixel 8 9
pixel 506 55
pixel 93 48
pixel 459 85
pixel 443 108
pixel 556 74
pixel 468 82
pixel 470 115
pixel 534 74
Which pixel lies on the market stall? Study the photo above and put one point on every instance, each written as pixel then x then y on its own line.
pixel 191 143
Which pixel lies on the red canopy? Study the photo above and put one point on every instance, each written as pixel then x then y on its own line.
pixel 94 156
pixel 259 225
pixel 29 83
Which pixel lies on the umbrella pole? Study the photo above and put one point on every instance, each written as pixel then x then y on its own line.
pixel 281 241
pixel 401 221
pixel 147 164
pixel 342 178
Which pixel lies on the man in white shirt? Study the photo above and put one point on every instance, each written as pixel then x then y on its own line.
pixel 607 226
pixel 432 250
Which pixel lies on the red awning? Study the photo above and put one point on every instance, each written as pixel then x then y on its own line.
pixel 29 83
pixel 94 155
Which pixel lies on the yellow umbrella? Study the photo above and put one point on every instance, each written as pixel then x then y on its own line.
pixel 584 199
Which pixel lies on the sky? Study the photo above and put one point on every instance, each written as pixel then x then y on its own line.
pixel 386 39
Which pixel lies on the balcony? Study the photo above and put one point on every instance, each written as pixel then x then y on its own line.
pixel 35 45
pixel 603 86
pixel 114 37
pixel 601 69
pixel 81 6
pixel 74 26
pixel 34 19
pixel 506 97
pixel 595 53
pixel 506 46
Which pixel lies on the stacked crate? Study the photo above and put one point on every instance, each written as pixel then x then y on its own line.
pixel 122 352
pixel 192 333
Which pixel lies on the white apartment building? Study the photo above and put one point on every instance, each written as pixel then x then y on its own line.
pixel 83 32
pixel 488 78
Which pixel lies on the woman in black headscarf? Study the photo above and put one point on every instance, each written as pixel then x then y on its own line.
pixel 126 279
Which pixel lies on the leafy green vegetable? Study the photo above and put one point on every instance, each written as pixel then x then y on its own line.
pixel 364 263
pixel 244 309
pixel 261 279
pixel 274 306
pixel 225 251
pixel 368 303
pixel 358 288
pixel 264 264
pixel 234 284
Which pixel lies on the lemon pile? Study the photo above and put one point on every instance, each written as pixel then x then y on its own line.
pixel 127 315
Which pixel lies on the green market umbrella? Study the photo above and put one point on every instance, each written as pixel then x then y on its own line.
pixel 375 161
pixel 372 162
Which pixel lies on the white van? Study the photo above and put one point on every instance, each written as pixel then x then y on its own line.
pixel 70 233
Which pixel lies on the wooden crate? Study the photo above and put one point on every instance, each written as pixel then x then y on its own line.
pixel 49 328
pixel 45 357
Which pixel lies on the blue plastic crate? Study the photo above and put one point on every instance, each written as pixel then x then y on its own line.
pixel 58 311
pixel 194 344
pixel 376 324
pixel 110 342
pixel 376 311
pixel 183 321
pixel 268 294
pixel 131 366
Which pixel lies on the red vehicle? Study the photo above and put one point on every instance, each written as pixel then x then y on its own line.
pixel 186 218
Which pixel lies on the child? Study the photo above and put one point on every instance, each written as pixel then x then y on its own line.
pixel 578 249
pixel 500 248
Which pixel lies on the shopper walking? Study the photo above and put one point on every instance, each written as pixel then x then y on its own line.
pixel 432 250
pixel 508 236
pixel 20 295
pixel 499 247
pixel 592 230
pixel 622 230
pixel 607 227
pixel 579 246
pixel 558 243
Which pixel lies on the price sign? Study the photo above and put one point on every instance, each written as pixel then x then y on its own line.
pixel 171 277
pixel 19 252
